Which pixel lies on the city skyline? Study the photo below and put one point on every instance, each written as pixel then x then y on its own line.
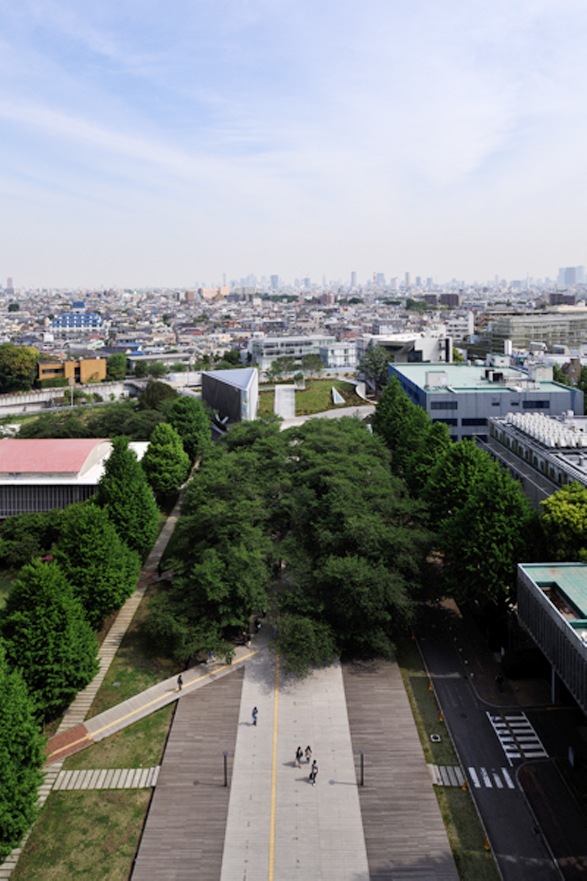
pixel 157 145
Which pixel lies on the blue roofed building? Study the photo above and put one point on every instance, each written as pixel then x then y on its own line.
pixel 234 394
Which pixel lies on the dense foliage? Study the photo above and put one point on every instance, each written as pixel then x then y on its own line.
pixel 101 568
pixel 18 367
pixel 482 520
pixel 165 463
pixel 314 509
pixel 48 638
pixel 21 758
pixel 156 396
pixel 116 366
pixel 112 420
pixel 189 418
pixel 128 499
pixel 565 524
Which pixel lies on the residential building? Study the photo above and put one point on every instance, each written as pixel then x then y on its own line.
pixel 265 350
pixel 75 321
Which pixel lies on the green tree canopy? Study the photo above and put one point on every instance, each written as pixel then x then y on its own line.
pixel 165 463
pixel 453 479
pixel 483 541
pixel 310 364
pixel 189 418
pixel 101 568
pixel 156 395
pixel 25 536
pixel 116 366
pixel 21 758
pixel 157 369
pixel 124 492
pixel 48 637
pixel 564 521
pixel 18 367
pixel 373 366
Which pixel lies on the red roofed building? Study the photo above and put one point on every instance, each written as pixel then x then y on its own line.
pixel 42 474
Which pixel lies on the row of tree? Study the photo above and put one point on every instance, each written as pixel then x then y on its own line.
pixel 482 522
pixel 315 510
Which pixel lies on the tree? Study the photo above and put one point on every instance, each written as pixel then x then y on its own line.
pixel 453 479
pixel 101 568
pixel 116 366
pixel 22 757
pixel 141 369
pixel 25 536
pixel 128 499
pixel 304 643
pixel 311 364
pixel 564 522
pixel 165 463
pixel 48 638
pixel 157 369
pixel 559 376
pixel 485 538
pixel 190 420
pixel 13 307
pixel 156 395
pixel 18 367
pixel 274 372
pixel 373 366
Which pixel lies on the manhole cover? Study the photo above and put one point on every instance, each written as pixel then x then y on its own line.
pixel 435 738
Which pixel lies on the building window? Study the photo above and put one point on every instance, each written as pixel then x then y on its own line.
pixel 447 421
pixel 444 405
pixel 536 405
pixel 474 421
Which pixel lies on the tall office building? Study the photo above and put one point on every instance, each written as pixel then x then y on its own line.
pixel 9 287
pixel 407 280
pixel 274 279
pixel 353 279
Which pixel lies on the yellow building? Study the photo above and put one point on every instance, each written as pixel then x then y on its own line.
pixel 83 371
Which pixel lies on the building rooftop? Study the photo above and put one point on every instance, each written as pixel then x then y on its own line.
pixel 45 455
pixel 240 378
pixel 472 377
pixel 566 581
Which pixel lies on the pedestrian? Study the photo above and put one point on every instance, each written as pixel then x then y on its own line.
pixel 299 757
pixel 255 714
pixel 314 772
pixel 179 682
pixel 308 754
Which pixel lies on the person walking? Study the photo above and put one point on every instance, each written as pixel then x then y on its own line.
pixel 314 772
pixel 299 756
pixel 179 682
pixel 254 715
pixel 308 754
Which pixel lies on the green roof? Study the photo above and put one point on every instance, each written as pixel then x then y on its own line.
pixel 569 578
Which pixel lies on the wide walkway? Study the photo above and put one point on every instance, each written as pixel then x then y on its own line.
pixel 270 822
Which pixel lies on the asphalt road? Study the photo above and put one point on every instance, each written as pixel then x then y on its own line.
pixel 520 850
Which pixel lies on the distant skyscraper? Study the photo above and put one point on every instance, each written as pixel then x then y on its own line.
pixel 307 283
pixel 274 279
pixel 380 279
pixel 407 279
pixel 9 286
pixel 429 283
pixel 418 281
pixel 353 279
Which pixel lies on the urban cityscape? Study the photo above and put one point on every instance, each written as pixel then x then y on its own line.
pixel 293 441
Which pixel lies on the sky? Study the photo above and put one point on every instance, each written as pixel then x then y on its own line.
pixel 150 143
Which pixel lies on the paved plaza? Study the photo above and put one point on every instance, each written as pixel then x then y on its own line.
pixel 270 822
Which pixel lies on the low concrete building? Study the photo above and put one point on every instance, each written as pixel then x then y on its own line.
pixel 42 474
pixel 466 396
pixel 234 394
pixel 265 350
pixel 552 607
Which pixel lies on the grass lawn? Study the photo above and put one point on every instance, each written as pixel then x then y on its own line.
pixel 90 835
pixel 316 398
pixel 139 745
pixel 136 665
pixel 464 830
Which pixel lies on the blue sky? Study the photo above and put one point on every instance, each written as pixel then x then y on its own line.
pixel 163 143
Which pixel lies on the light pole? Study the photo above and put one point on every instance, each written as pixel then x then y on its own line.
pixel 225 754
pixel 362 754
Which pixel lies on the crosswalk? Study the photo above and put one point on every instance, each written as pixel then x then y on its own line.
pixel 488 778
pixel 517 736
pixel 107 778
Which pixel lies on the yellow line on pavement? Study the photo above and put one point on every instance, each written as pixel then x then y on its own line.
pixel 274 774
pixel 155 701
